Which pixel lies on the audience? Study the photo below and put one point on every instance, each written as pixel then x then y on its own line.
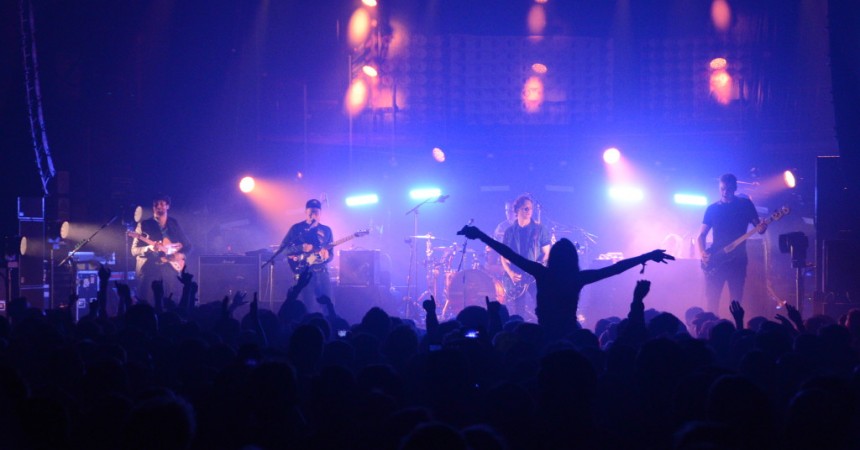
pixel 180 375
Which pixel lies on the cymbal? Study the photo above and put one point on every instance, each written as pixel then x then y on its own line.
pixel 423 236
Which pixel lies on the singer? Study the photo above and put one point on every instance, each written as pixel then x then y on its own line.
pixel 530 240
pixel 313 237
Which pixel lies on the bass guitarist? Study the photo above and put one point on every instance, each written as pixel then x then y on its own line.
pixel 159 248
pixel 532 241
pixel 728 218
pixel 314 240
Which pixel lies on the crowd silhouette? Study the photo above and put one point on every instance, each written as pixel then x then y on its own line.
pixel 186 374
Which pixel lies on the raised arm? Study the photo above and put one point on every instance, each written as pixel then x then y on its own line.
pixel 531 267
pixel 591 276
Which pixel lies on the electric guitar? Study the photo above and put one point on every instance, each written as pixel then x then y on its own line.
pixel 300 261
pixel 515 290
pixel 718 257
pixel 168 251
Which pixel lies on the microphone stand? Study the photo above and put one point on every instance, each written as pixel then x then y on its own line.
pixel 413 252
pixel 70 259
pixel 460 268
pixel 84 242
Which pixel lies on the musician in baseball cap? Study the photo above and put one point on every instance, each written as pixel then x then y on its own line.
pixel 314 240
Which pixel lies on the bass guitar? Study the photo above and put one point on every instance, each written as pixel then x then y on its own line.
pixel 300 261
pixel 717 257
pixel 169 252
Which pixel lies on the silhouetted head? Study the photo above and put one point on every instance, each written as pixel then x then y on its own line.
pixel 563 256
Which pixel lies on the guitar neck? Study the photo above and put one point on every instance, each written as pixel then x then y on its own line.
pixel 739 241
pixel 751 232
pixel 340 241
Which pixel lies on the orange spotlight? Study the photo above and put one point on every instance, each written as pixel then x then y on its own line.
pixel 611 155
pixel 721 15
pixel 359 27
pixel 247 184
pixel 539 68
pixel 720 83
pixel 790 180
pixel 356 97
pixel 532 94
pixel 536 19
pixel 718 64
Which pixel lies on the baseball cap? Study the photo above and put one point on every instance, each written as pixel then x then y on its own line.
pixel 313 203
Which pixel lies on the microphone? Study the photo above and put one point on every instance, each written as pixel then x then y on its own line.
pixel 442 198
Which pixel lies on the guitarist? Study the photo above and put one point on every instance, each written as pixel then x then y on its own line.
pixel 152 260
pixel 313 238
pixel 530 240
pixel 728 218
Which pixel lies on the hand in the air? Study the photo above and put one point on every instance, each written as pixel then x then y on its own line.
pixel 641 290
pixel 122 290
pixel 429 305
pixel 238 300
pixel 158 288
pixel 185 277
pixel 660 256
pixel 104 274
pixel 493 307
pixel 470 232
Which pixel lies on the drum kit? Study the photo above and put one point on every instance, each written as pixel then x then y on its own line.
pixel 458 278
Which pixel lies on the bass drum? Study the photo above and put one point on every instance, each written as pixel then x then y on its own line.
pixel 469 287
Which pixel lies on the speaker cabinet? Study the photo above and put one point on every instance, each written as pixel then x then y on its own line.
pixel 839 273
pixel 222 275
pixel 359 268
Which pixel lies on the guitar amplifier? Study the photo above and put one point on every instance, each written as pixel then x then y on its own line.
pixel 359 268
pixel 222 275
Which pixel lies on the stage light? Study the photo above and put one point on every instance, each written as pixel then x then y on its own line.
pixel 611 155
pixel 721 15
pixel 790 180
pixel 361 200
pixel 424 193
pixel 359 27
pixel 356 97
pixel 720 83
pixel 247 184
pixel 718 64
pixel 369 3
pixel 370 71
pixel 65 227
pixel 438 154
pixel 626 193
pixel 532 94
pixel 691 199
pixel 536 20
pixel 539 68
